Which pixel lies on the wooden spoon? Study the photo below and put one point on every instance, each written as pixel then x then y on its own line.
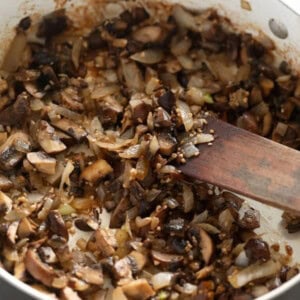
pixel 249 165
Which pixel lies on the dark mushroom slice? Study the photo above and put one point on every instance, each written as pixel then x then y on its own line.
pixel 53 24
pixel 37 269
pixel 42 162
pixel 57 225
pixel 167 101
pixel 17 113
pixel 14 149
pixel 96 171
pixel 71 128
pixel 140 105
pixel 138 289
pixel 109 110
pixel 48 139
pixel 86 224
pixel 162 118
pixel 257 249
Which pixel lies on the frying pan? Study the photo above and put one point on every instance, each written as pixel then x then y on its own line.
pixel 278 19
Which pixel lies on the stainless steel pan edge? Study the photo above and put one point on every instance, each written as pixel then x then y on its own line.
pixel 254 21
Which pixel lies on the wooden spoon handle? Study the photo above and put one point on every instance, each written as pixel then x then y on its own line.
pixel 250 165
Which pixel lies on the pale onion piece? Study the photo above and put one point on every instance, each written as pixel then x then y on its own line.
pixel 148 34
pixel 185 114
pixel 180 45
pixel 35 197
pixel 259 290
pixel 187 289
pixel 242 260
pixel 168 169
pixel 36 104
pixel 13 57
pixel 103 91
pixel 134 151
pixel 133 76
pixel 202 138
pixel 64 112
pixel 96 170
pixel 253 272
pixel 43 213
pixel 113 146
pixel 204 272
pixel 197 96
pixel 189 150
pixel 188 198
pixel 149 56
pixel 186 62
pixel 226 220
pixel 95 126
pixel 154 146
pixel 183 18
pixel 201 218
pixel 33 90
pixel 162 280
pixel 5 203
pixel 65 209
pixel 222 68
pixel 65 177
pixel 76 51
pixel 118 294
pixel 209 228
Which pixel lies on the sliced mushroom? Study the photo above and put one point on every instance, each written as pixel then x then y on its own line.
pixel 71 100
pixel 17 113
pixel 140 106
pixel 92 276
pixel 167 143
pixel 42 162
pixel 37 269
pixel 118 216
pixel 105 242
pixel 86 224
pixel 162 118
pixel 71 128
pixel 5 203
pixel 96 171
pixel 12 232
pixel 10 154
pixel 27 75
pixel 47 255
pixel 53 24
pixel 138 289
pixel 166 258
pixel 57 225
pixel 109 110
pixel 5 184
pixel 25 229
pixel 122 269
pixel 68 294
pixel 48 139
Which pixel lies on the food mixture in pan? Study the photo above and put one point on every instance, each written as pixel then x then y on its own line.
pixel 93 124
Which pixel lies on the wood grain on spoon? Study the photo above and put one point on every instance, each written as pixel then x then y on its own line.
pixel 250 165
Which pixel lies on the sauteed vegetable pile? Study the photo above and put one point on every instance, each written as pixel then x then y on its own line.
pixel 94 122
